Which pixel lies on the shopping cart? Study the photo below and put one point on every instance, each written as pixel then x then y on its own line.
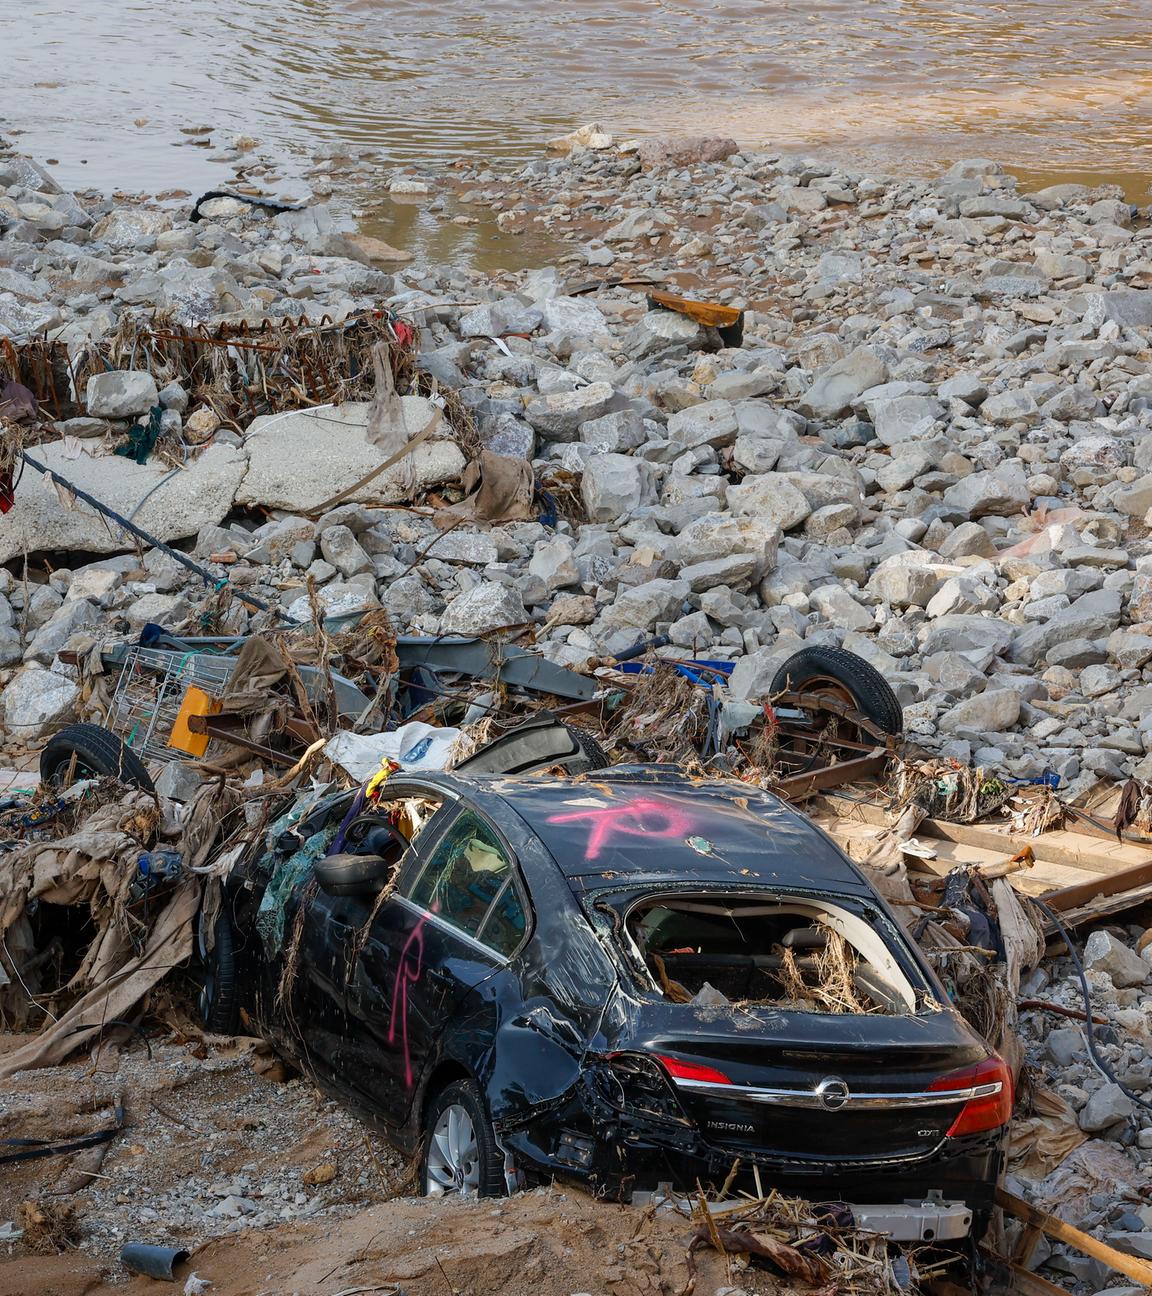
pixel 157 692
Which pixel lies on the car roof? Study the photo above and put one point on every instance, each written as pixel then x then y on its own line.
pixel 655 824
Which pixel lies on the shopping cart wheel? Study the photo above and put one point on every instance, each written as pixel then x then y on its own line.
pixel 83 751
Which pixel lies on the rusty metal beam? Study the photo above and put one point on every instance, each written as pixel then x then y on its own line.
pixel 799 786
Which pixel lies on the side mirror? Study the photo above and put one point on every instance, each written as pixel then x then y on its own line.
pixel 355 875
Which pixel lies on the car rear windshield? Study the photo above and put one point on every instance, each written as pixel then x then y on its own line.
pixel 798 954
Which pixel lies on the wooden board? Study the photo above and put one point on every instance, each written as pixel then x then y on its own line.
pixel 1079 875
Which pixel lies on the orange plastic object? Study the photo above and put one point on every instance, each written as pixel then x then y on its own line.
pixel 194 703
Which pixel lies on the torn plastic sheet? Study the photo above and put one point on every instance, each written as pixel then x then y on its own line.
pixel 415 746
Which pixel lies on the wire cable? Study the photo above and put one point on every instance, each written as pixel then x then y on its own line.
pixel 1102 1066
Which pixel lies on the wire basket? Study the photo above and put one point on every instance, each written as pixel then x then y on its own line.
pixel 149 693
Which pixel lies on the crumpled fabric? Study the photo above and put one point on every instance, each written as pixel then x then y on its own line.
pixel 1037 1144
pixel 1094 1167
pixel 497 488
pixel 93 867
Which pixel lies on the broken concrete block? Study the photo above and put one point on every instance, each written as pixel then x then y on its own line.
pixel 37 702
pixel 299 460
pixel 1104 953
pixel 121 394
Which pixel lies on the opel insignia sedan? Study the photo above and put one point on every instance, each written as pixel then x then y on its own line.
pixel 627 978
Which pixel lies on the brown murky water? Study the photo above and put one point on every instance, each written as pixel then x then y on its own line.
pixel 1053 87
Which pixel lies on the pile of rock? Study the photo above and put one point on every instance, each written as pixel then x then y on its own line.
pixel 934 446
pixel 1104 1188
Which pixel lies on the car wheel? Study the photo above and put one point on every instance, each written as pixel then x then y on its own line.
pixel 844 676
pixel 83 751
pixel 590 749
pixel 460 1151
pixel 219 1002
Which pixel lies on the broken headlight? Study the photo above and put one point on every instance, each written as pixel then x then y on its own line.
pixel 637 1086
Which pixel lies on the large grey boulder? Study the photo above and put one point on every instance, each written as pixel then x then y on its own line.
pixel 836 387
pixel 661 151
pixel 1105 1107
pixel 554 562
pixel 121 393
pixel 1092 616
pixel 614 484
pixel 1135 499
pixel 644 606
pixel 74 615
pixel 736 571
pixel 1001 492
pixel 1104 953
pixel 1126 306
pixel 558 417
pixel 992 711
pixel 840 609
pixel 341 548
pixel 769 497
pixel 905 418
pixel 904 584
pixel 752 676
pixel 35 703
pixel 720 535
pixel 711 424
pixel 1011 407
pixel 129 228
pixel 482 609
pixel 575 316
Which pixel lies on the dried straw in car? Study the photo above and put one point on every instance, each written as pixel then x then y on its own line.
pixel 830 985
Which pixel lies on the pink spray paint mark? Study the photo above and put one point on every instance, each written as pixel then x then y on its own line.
pixel 643 818
pixel 407 974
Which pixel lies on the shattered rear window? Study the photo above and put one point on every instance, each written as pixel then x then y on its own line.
pixel 795 954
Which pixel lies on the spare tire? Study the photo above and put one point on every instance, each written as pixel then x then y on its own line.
pixel 82 751
pixel 845 675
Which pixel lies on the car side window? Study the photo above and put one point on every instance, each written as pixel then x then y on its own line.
pixel 469 882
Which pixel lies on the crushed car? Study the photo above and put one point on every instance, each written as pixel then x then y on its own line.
pixel 627 977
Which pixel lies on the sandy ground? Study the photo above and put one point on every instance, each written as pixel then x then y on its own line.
pixel 208 1123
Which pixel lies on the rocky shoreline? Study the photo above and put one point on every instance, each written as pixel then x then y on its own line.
pixel 932 447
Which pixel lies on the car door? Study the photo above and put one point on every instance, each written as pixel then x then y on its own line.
pixel 323 943
pixel 457 918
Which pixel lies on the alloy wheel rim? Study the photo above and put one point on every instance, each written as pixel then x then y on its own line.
pixel 453 1161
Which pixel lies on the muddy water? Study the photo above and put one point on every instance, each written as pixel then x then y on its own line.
pixel 1051 86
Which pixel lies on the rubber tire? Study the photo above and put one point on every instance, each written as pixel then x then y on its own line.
pixel 96 748
pixel 590 747
pixel 869 689
pixel 467 1094
pixel 220 999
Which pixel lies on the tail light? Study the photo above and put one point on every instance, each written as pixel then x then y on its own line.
pixel 990 1103
pixel 679 1070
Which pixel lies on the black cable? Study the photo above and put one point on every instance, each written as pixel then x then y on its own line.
pixel 1101 1065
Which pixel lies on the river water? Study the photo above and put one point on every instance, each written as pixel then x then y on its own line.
pixel 1055 88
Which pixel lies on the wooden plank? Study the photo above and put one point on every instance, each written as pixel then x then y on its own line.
pixel 1130 1266
pixel 1071 849
pixel 1025 1282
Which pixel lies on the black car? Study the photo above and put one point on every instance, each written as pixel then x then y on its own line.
pixel 627 978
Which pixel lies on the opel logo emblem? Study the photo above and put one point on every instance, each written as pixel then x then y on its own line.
pixel 832 1092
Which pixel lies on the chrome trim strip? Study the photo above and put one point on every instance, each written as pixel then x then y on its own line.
pixel 808 1098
